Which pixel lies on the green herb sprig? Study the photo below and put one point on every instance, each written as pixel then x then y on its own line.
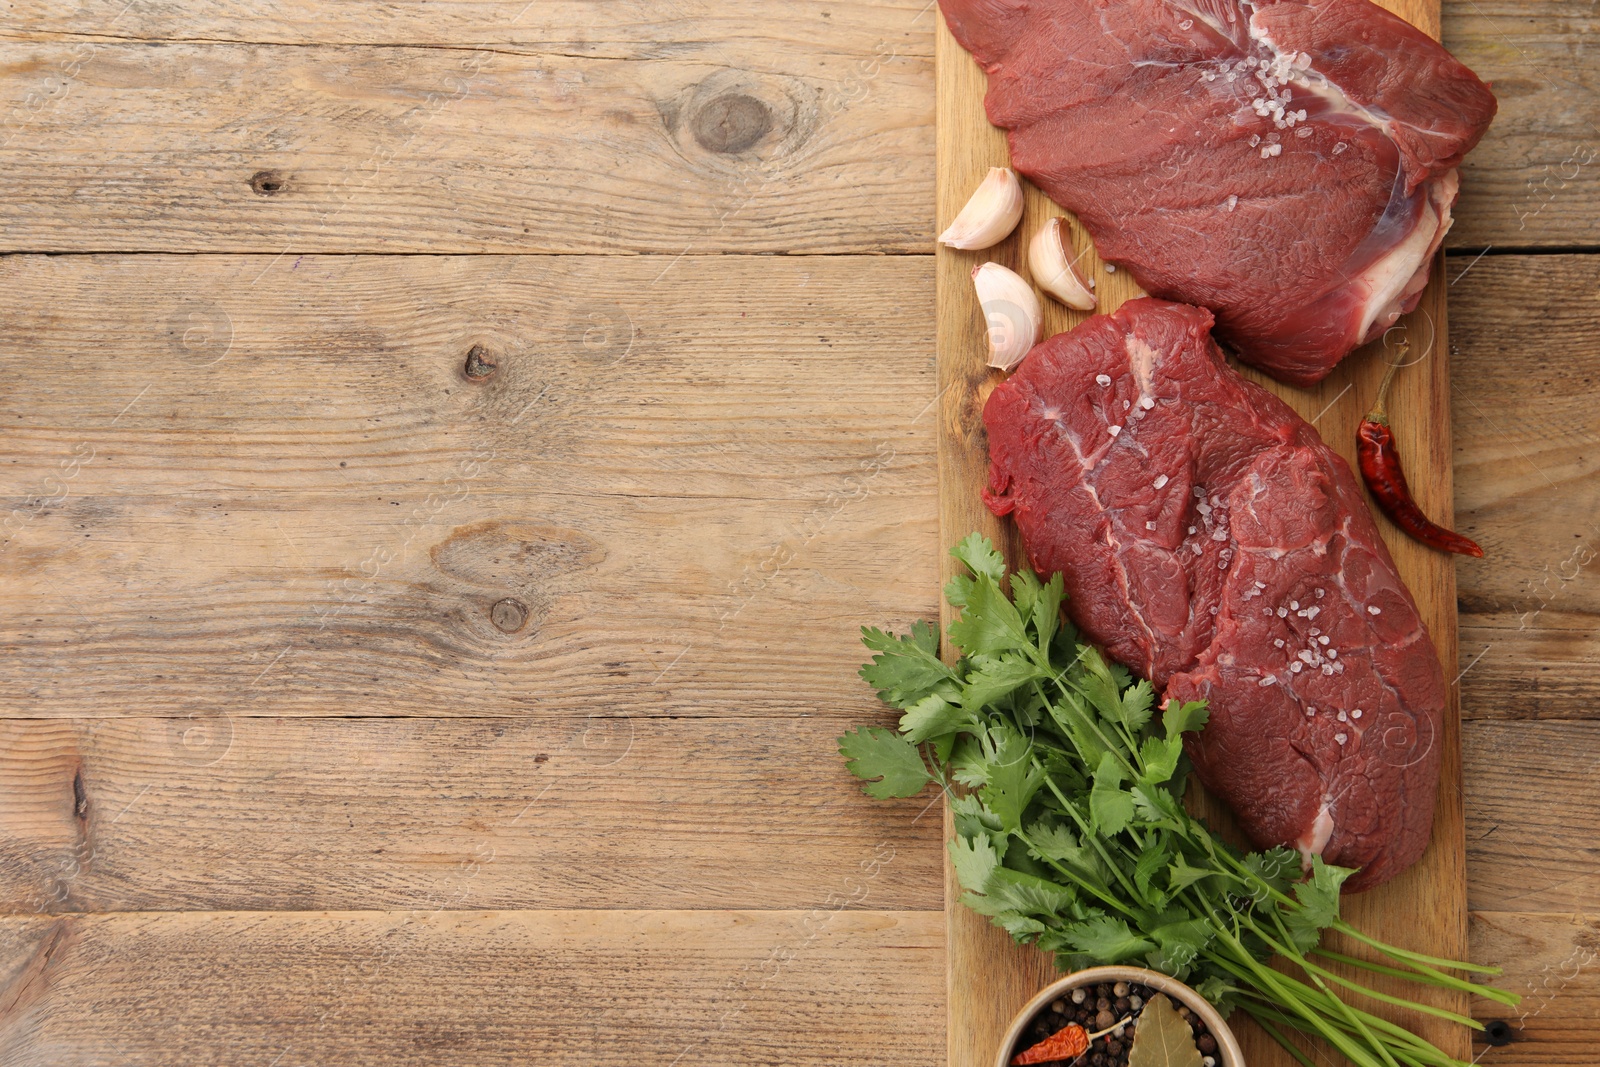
pixel 1071 832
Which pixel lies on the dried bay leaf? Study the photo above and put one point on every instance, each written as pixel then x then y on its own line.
pixel 1162 1038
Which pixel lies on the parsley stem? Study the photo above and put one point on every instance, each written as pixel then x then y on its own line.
pixel 1289 951
pixel 1258 974
pixel 1277 1035
pixel 1426 1009
pixel 1099 892
pixel 1429 977
pixel 1073 696
pixel 1090 836
pixel 1417 959
pixel 1262 1009
pixel 1396 1034
pixel 1316 977
pixel 1394 1031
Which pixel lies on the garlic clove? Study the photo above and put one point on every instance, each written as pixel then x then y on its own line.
pixel 1050 260
pixel 1011 310
pixel 991 214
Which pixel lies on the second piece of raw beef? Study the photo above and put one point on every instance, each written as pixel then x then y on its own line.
pixel 1212 542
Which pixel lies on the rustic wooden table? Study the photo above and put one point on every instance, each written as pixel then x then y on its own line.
pixel 436 524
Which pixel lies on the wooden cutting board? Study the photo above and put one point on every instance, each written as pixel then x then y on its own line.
pixel 1424 909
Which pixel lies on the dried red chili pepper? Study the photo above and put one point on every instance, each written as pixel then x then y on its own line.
pixel 1380 467
pixel 1066 1044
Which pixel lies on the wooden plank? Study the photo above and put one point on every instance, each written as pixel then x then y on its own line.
pixel 1425 908
pixel 1533 800
pixel 269 814
pixel 110 146
pixel 1535 180
pixel 1553 961
pixel 256 814
pixel 383 341
pixel 1529 468
pixel 608 988
pixel 241 148
pixel 666 471
pixel 600 28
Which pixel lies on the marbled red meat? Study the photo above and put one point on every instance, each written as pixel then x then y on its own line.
pixel 1289 164
pixel 1212 542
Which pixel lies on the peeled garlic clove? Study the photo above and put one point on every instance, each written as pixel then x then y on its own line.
pixel 1011 309
pixel 1050 260
pixel 991 214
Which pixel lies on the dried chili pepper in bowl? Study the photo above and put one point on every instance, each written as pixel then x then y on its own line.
pixel 1066 1044
pixel 1386 478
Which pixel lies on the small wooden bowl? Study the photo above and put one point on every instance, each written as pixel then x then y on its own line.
pixel 1228 1053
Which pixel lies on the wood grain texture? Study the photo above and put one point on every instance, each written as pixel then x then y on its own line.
pixel 1535 180
pixel 114 146
pixel 1533 791
pixel 1425 908
pixel 629 29
pixel 1553 961
pixel 1528 457
pixel 248 814
pixel 243 148
pixel 287 498
pixel 607 988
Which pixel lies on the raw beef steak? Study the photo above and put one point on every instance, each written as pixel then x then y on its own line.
pixel 1289 164
pixel 1212 542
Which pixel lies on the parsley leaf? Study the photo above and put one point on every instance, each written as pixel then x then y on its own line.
pixel 975 861
pixel 981 557
pixel 1134 706
pixel 996 679
pixel 1182 718
pixel 906 669
pixel 1106 938
pixel 1110 804
pixel 873 752
pixel 989 623
pixel 1013 777
pixel 1181 876
pixel 1159 757
pixel 1276 869
pixel 1028 894
pixel 933 716
pixel 1151 862
pixel 968 763
pixel 971 817
pixel 1319 903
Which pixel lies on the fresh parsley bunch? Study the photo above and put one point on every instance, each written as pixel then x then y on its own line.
pixel 1071 831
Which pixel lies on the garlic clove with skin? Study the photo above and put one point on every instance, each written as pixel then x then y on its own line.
pixel 1050 259
pixel 991 214
pixel 1011 310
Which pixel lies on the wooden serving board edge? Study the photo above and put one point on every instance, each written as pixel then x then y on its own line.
pixel 989 977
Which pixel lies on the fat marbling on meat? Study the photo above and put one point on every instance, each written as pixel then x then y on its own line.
pixel 1289 164
pixel 1212 542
